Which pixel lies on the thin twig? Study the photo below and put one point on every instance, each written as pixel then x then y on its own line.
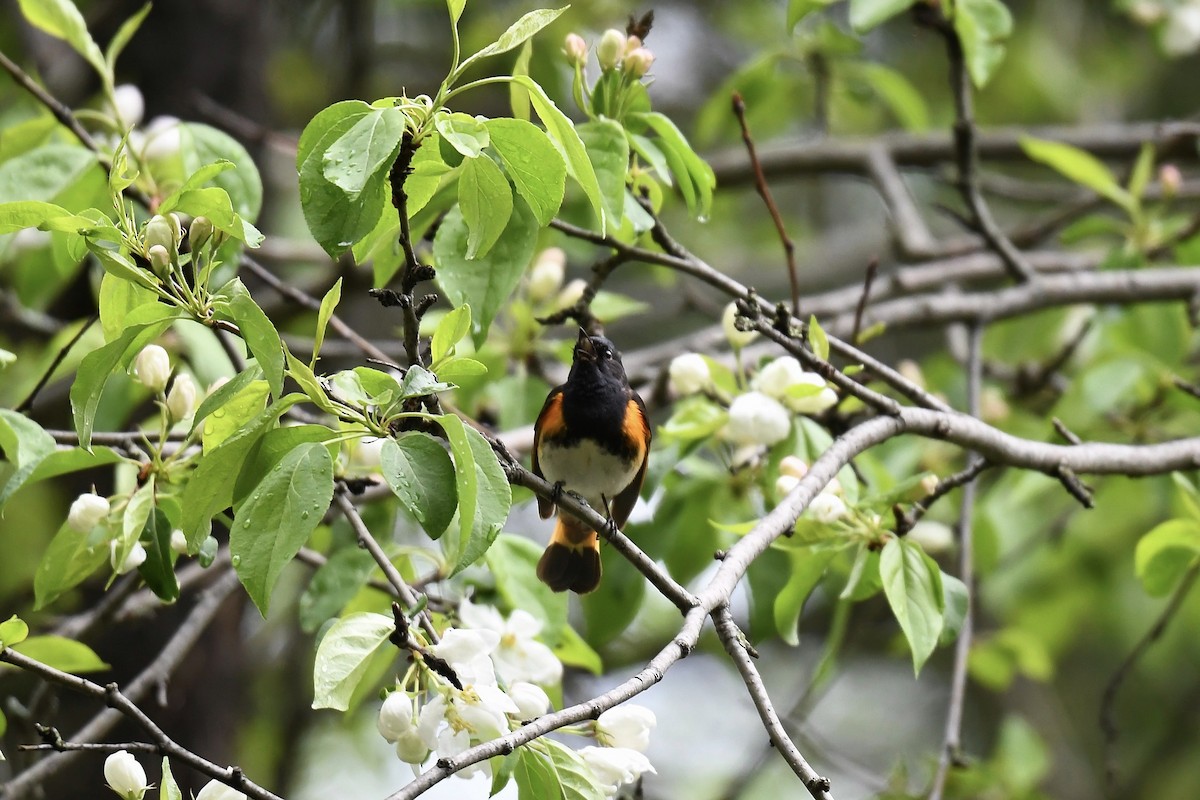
pixel 58 359
pixel 1108 723
pixel 764 191
pixel 872 268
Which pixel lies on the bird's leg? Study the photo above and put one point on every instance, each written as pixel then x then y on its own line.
pixel 610 526
pixel 556 491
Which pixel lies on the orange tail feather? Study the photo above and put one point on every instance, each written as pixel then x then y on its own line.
pixel 572 559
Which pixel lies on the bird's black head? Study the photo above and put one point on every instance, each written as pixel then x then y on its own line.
pixel 597 357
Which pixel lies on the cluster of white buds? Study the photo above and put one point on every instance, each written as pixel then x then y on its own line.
pixel 688 374
pixel 827 507
pixel 502 668
pixel 152 369
pixel 614 51
pixel 786 381
pixel 127 778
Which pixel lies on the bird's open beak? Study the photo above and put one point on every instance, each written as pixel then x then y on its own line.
pixel 584 348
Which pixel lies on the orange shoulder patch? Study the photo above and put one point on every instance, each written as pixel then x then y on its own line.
pixel 637 427
pixel 550 422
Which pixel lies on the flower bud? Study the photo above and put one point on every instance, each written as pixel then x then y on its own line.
pixel 152 368
pixel 531 699
pixel 128 105
pixel 611 49
pixel 411 749
pixel 575 49
pixel 929 484
pixel 125 775
pixel 755 418
pixel 638 62
pixel 911 371
pixel 200 231
pixel 934 537
pixel 162 139
pixel 181 400
pixel 626 725
pixel 133 559
pixel 88 511
pixel 737 338
pixel 160 260
pixel 395 716
pixel 160 231
pixel 179 542
pixel 688 374
pixel 827 507
pixel 615 766
pixel 546 275
pixel 571 294
pixel 1171 179
pixel 793 466
pixel 215 790
pixel 784 485
pixel 632 43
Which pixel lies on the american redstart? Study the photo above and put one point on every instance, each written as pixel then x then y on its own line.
pixel 592 438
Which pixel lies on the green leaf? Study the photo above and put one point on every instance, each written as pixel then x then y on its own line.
pixel 98 365
pixel 201 144
pixel 21 214
pixel 608 149
pixel 13 631
pixel 807 567
pixel 466 134
pixel 1079 166
pixel 694 418
pixel 693 174
pixel 168 788
pixel 799 9
pixel 455 368
pixel 958 602
pixel 333 585
pixel 450 330
pixel 61 653
pixel 913 585
pixel 817 339
pixel 274 523
pixel 344 655
pixel 982 26
pixel 513 562
pixel 328 305
pixel 516 34
pixel 486 202
pixel 359 154
pixel 210 489
pixel 455 7
pixel 227 392
pixel 234 304
pixel 158 570
pixel 71 557
pixel 537 169
pixel 609 611
pixel 484 496
pixel 866 14
pixel 896 92
pixel 62 20
pixel 236 411
pixel 562 132
pixel 25 446
pixel 133 519
pixel 335 220
pixel 124 34
pixel 418 469
pixel 573 651
pixel 577 779
pixel 1142 170
pixel 536 778
pixel 484 283
pixel 1165 553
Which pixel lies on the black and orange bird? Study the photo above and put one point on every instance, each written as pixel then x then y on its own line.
pixel 592 438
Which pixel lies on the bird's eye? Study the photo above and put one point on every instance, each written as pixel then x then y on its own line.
pixel 606 353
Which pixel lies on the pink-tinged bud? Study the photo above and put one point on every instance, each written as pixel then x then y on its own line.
pixel 1171 179
pixel 611 49
pixel 575 49
pixel 793 466
pixel 638 62
pixel 632 43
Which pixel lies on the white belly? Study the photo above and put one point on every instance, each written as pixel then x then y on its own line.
pixel 606 475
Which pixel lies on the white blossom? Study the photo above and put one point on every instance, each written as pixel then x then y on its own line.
pixel 179 542
pixel 396 717
pixel 738 339
pixel 777 376
pixel 162 139
pixel 411 749
pixel 934 537
pixel 215 790
pixel 450 722
pixel 546 274
pixel 755 418
pixel 133 559
pixel 88 511
pixel 125 775
pixel 530 699
pixel 793 466
pixel 181 400
pixel 152 368
pixel 827 507
pixel 615 766
pixel 626 725
pixel 129 104
pixel 518 655
pixel 469 654
pixel 688 374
